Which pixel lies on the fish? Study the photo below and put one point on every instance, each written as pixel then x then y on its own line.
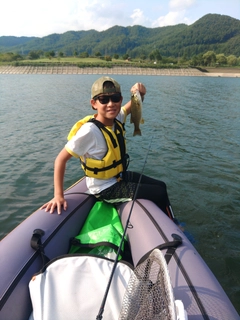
pixel 136 112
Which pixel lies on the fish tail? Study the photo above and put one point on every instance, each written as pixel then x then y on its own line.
pixel 137 132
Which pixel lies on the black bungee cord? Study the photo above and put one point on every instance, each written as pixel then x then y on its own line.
pixel 101 310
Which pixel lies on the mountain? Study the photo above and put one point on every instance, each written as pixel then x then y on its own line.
pixel 9 42
pixel 215 32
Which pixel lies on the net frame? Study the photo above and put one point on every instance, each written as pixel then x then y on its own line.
pixel 149 294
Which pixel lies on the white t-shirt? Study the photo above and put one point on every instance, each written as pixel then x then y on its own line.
pixel 89 142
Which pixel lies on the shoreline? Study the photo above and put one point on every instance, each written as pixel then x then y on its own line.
pixel 120 70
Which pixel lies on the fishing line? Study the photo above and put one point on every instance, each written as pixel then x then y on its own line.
pixel 101 310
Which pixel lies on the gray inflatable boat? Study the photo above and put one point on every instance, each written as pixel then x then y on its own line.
pixel 192 281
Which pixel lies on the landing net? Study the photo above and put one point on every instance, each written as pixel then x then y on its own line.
pixel 149 294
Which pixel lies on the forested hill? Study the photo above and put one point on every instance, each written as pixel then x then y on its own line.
pixel 215 32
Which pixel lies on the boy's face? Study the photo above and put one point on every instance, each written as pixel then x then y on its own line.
pixel 108 107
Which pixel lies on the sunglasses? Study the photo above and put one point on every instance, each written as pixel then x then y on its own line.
pixel 105 99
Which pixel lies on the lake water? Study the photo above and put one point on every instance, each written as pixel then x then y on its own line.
pixel 195 125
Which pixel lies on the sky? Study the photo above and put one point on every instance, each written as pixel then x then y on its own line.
pixel 41 18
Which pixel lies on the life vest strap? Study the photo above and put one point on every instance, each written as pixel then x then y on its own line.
pixel 101 126
pixel 96 170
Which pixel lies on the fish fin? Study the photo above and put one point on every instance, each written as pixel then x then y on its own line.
pixel 137 132
pixel 142 120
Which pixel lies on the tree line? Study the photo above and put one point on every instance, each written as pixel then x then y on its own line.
pixel 210 58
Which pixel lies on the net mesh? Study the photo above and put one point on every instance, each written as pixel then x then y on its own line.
pixel 149 293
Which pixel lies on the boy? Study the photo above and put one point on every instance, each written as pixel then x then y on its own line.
pixel 99 143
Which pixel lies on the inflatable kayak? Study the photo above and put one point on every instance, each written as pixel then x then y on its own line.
pixel 196 292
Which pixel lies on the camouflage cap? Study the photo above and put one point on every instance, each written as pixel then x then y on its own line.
pixel 97 87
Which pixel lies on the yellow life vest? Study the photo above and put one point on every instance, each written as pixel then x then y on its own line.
pixel 115 160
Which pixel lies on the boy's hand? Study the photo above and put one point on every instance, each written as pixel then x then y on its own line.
pixel 140 87
pixel 56 202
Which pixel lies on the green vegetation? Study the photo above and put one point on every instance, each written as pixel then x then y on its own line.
pixel 107 61
pixel 213 40
pixel 208 59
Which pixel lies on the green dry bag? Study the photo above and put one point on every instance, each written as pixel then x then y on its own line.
pixel 101 233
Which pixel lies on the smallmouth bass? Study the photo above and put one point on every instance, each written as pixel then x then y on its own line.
pixel 136 112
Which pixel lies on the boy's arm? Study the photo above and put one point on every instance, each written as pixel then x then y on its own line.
pixel 59 170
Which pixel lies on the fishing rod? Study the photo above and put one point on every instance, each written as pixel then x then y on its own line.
pixel 101 310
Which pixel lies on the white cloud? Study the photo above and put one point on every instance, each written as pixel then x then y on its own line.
pixel 58 16
pixel 180 5
pixel 138 18
pixel 99 15
pixel 176 15
pixel 170 19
